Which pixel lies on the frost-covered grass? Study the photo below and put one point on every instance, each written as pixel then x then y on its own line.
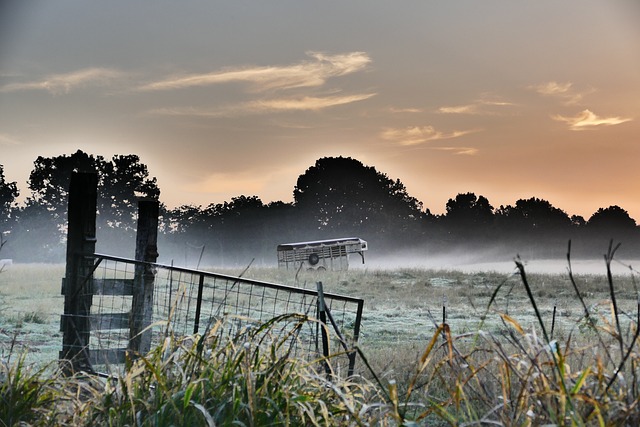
pixel 30 309
pixel 403 307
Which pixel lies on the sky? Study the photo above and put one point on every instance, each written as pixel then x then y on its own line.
pixel 506 99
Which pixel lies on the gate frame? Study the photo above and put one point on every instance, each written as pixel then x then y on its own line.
pixel 78 286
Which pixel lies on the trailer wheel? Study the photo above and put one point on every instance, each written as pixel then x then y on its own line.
pixel 314 259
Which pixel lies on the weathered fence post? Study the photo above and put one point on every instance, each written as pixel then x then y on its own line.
pixel 142 301
pixel 322 314
pixel 77 286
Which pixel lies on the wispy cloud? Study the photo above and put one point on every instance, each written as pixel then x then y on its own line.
pixel 8 140
pixel 477 107
pixel 65 83
pixel 460 151
pixel 310 73
pixel 553 88
pixel 397 110
pixel 305 103
pixel 589 120
pixel 564 91
pixel 459 109
pixel 414 135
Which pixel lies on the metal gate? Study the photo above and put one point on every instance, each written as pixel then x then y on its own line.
pixel 186 301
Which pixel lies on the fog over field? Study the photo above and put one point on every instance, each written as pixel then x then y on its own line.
pixel 586 259
pixel 494 261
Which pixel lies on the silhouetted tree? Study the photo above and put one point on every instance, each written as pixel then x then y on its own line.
pixel 8 194
pixel 42 224
pixel 469 215
pixel 578 221
pixel 43 218
pixel 50 177
pixel 185 218
pixel 239 225
pixel 340 195
pixel 124 180
pixel 534 228
pixel 614 223
pixel 233 232
pixel 185 227
pixel 282 224
pixel 613 218
pixel 533 215
pixel 611 223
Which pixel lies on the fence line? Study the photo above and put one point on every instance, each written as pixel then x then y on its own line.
pixel 187 301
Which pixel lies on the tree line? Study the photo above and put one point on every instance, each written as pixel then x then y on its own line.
pixel 335 197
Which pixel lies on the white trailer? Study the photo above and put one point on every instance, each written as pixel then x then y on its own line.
pixel 330 254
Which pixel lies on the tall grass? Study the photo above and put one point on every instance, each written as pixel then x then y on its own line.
pixel 521 376
pixel 27 395
pixel 211 379
pixel 206 380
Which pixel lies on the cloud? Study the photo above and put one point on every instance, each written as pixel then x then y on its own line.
pixel 553 88
pixel 459 109
pixel 396 110
pixel 563 91
pixel 477 107
pixel 305 103
pixel 8 140
pixel 460 151
pixel 419 134
pixel 65 83
pixel 311 73
pixel 588 120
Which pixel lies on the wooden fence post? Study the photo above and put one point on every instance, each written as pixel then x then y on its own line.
pixel 77 284
pixel 322 312
pixel 142 301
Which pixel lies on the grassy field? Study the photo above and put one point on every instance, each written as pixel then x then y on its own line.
pixel 403 307
pixel 514 349
pixel 31 304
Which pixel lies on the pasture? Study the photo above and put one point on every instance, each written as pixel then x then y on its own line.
pixel 403 306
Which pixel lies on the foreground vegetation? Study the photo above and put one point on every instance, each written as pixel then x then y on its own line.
pixel 573 360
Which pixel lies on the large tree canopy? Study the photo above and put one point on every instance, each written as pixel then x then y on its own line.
pixel 533 214
pixel 469 214
pixel 342 196
pixel 49 180
pixel 120 182
pixel 611 218
pixel 124 179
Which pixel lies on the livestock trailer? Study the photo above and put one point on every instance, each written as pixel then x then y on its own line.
pixel 330 254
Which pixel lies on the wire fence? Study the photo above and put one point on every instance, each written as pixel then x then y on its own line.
pixel 187 301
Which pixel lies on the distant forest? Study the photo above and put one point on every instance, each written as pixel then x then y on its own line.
pixel 336 197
